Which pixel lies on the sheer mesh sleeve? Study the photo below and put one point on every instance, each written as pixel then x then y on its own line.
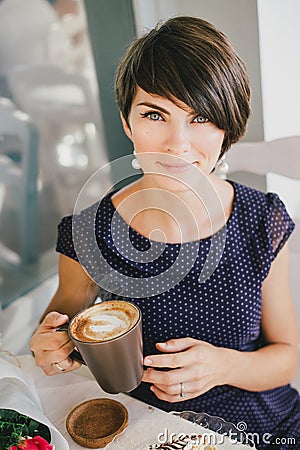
pixel 274 229
pixel 64 242
pixel 279 223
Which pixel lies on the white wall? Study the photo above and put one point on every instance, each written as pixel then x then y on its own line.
pixel 279 36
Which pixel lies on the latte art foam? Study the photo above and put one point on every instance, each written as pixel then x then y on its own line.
pixel 104 321
pixel 104 326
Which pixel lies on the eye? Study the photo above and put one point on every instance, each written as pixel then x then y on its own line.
pixel 200 119
pixel 152 115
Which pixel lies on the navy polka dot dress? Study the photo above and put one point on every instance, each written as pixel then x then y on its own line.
pixel 224 310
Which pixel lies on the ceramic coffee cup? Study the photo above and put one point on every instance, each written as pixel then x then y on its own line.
pixel 108 336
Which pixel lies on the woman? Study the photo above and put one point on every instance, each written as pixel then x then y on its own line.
pixel 215 296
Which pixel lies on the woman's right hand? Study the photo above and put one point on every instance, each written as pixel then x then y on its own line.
pixel 51 349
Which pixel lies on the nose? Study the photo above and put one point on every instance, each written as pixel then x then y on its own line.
pixel 178 139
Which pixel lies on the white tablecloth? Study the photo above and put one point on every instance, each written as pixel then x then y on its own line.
pixel 61 393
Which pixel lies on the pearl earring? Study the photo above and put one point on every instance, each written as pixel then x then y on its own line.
pixel 222 168
pixel 135 163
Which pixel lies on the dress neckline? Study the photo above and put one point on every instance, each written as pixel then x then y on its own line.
pixel 176 244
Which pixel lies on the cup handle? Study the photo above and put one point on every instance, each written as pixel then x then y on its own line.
pixel 75 355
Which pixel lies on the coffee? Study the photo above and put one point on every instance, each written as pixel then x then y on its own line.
pixel 109 339
pixel 104 321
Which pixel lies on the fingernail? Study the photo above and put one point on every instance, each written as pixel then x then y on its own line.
pixel 162 344
pixel 148 361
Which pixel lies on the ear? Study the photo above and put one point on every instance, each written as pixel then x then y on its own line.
pixel 126 127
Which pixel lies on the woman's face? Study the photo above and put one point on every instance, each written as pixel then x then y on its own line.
pixel 171 140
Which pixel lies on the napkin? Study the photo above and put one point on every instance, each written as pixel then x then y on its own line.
pixel 18 392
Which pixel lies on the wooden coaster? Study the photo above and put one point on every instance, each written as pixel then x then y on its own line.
pixel 95 423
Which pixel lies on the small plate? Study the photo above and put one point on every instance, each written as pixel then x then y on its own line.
pixel 159 426
pixel 95 423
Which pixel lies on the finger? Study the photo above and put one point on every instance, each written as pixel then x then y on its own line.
pixel 184 388
pixel 173 393
pixel 168 398
pixel 53 320
pixel 168 378
pixel 48 341
pixel 172 376
pixel 170 360
pixel 172 389
pixel 61 353
pixel 188 390
pixel 176 345
pixel 66 365
pixel 44 358
pixel 47 359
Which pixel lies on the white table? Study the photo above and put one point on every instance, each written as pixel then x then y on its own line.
pixel 61 393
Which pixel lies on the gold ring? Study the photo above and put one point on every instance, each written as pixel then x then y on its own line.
pixel 182 393
pixel 59 367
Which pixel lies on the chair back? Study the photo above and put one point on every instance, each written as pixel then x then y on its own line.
pixel 279 156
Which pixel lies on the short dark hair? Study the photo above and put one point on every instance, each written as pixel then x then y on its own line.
pixel 189 59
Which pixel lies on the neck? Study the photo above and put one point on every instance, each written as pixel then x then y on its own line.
pixel 184 215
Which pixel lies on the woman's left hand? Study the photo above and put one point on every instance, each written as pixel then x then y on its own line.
pixel 197 366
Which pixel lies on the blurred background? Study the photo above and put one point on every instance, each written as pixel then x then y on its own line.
pixel 59 122
pixel 51 132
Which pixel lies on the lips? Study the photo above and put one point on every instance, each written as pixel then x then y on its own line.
pixel 177 167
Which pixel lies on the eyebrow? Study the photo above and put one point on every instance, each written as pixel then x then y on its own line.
pixel 154 106
pixel 159 108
